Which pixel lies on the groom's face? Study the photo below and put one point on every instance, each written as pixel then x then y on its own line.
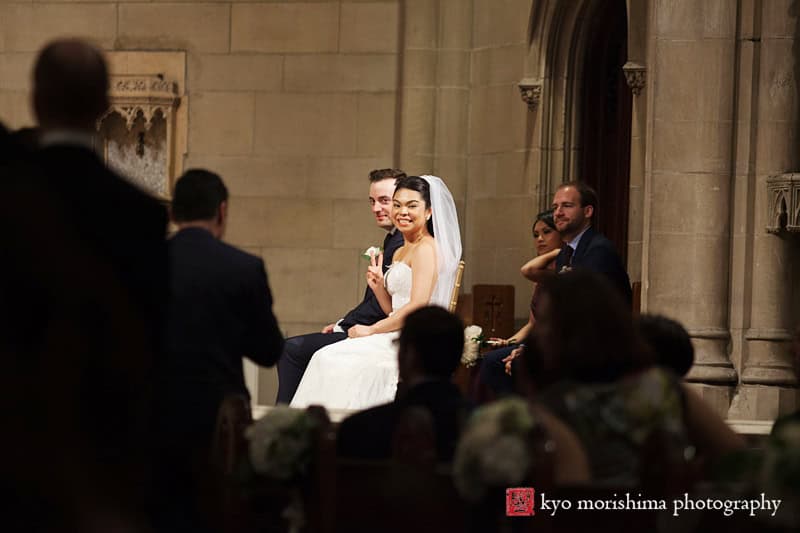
pixel 380 201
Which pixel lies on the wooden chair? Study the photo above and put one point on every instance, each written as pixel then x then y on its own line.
pixel 229 445
pixel 456 287
pixel 228 450
pixel 410 492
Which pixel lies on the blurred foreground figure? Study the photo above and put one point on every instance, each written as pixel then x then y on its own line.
pixel 83 292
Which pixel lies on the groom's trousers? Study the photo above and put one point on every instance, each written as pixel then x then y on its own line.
pixel 297 352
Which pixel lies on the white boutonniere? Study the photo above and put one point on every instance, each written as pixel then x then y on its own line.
pixel 371 252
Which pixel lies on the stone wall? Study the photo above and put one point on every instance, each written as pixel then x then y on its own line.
pixel 503 150
pixel 291 102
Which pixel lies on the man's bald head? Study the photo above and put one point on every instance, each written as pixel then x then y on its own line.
pixel 70 85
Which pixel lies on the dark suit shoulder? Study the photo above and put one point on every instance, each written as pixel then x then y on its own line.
pixel 83 177
pixel 200 242
pixel 367 434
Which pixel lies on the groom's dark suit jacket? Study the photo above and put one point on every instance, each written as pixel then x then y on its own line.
pixel 298 350
pixel 596 253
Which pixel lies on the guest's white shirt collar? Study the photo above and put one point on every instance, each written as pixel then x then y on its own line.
pixel 68 137
pixel 574 242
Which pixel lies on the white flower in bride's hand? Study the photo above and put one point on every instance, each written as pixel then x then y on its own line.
pixel 281 443
pixel 473 337
pixel 371 252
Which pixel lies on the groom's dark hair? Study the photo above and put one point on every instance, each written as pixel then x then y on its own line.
pixel 385 174
pixel 436 336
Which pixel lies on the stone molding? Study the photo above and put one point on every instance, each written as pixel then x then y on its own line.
pixel 783 335
pixel 635 76
pixel 712 365
pixel 148 95
pixel 783 206
pixel 531 92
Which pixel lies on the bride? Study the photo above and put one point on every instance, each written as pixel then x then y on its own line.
pixel 361 371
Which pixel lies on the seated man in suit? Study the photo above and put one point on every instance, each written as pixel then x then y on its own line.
pixel 431 344
pixel 220 310
pixel 574 206
pixel 299 349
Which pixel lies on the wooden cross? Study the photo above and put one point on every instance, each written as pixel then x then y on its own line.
pixel 491 315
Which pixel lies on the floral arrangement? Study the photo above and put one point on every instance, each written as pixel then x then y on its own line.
pixel 281 443
pixel 494 450
pixel 473 340
pixel 779 474
pixel 371 252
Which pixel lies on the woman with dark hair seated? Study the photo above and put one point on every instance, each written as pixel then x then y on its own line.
pixel 595 373
pixel 496 365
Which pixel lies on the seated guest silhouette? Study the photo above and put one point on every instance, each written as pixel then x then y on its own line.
pixel 496 365
pixel 597 375
pixel 430 347
pixel 669 341
pixel 361 371
pixel 298 350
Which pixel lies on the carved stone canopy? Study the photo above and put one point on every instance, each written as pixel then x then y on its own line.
pixel 146 95
pixel 635 76
pixel 783 203
pixel 531 92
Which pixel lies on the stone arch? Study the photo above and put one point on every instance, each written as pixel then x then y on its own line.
pixel 559 36
pixel 555 40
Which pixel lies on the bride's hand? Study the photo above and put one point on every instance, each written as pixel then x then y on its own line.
pixel 375 272
pixel 359 330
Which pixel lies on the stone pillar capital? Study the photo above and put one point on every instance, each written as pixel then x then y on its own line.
pixel 635 76
pixel 531 92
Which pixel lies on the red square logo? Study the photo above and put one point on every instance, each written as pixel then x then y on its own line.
pixel 519 501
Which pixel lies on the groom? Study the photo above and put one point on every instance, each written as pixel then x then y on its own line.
pixel 298 350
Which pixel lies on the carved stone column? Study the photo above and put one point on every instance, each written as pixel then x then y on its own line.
pixel 769 383
pixel 768 148
pixel 419 38
pixel 689 186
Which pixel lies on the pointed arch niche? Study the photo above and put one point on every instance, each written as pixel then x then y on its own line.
pixel 143 134
pixel 565 43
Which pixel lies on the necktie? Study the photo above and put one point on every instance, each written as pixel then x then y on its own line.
pixel 568 255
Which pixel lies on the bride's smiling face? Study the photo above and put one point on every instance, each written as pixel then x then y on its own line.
pixel 409 212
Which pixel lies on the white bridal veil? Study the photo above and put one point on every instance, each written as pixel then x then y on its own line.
pixel 448 239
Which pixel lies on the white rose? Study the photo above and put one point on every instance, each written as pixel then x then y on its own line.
pixel 371 252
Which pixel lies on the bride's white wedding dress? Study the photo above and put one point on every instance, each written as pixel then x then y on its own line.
pixel 361 372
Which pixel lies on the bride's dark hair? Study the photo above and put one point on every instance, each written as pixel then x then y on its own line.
pixel 415 183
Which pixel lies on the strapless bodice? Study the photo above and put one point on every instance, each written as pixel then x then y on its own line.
pixel 398 284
